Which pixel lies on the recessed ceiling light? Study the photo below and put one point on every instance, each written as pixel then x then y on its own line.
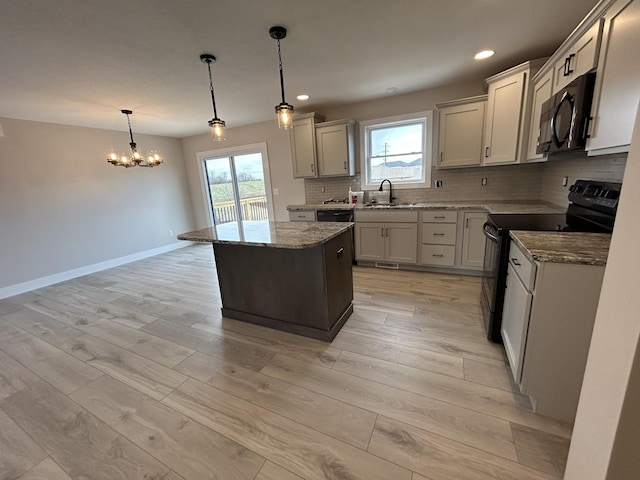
pixel 483 54
pixel 303 97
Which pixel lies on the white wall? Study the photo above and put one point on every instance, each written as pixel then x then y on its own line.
pixel 63 207
pixel 606 435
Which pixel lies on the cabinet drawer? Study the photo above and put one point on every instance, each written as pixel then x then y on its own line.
pixel 525 268
pixel 302 216
pixel 439 233
pixel 443 255
pixel 386 215
pixel 439 216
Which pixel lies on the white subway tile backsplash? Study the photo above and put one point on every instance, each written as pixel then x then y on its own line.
pixel 537 181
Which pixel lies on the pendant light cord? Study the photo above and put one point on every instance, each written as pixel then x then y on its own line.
pixel 281 75
pixel 133 144
pixel 213 98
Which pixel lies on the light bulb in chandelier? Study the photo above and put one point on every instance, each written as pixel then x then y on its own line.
pixel 284 111
pixel 137 158
pixel 217 126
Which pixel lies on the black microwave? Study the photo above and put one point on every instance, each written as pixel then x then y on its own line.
pixel 564 119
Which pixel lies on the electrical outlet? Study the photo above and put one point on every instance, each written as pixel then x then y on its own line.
pixel 276 191
pixel 437 183
pixel 484 181
pixel 322 189
pixel 565 181
pixel 1 131
pixel 171 233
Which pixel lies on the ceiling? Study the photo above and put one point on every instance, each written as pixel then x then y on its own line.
pixel 81 62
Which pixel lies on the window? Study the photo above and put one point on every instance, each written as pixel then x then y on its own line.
pixel 398 149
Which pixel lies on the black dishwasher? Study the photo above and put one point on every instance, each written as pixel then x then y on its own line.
pixel 337 215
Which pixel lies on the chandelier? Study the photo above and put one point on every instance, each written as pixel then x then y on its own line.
pixel 284 111
pixel 216 125
pixel 136 158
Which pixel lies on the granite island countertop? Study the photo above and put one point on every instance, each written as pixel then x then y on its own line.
pixel 492 206
pixel 271 234
pixel 564 247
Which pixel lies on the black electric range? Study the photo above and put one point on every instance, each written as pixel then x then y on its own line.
pixel 592 209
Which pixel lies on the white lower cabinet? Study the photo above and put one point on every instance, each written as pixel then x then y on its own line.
pixel 393 238
pixel 439 233
pixel 547 324
pixel 473 240
pixel 517 306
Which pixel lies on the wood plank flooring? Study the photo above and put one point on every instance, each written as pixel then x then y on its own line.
pixel 132 373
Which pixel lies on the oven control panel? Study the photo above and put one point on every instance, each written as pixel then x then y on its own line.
pixel 591 193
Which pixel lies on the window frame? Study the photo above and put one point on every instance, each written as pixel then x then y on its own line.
pixel 426 118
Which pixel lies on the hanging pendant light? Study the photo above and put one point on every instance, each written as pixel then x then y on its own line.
pixel 284 111
pixel 216 125
pixel 136 159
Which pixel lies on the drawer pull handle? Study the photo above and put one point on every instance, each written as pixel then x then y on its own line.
pixel 438 234
pixel 437 255
pixel 382 232
pixel 515 262
pixel 439 217
pixel 340 252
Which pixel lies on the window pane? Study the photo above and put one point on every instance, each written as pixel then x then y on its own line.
pixel 396 140
pixel 400 168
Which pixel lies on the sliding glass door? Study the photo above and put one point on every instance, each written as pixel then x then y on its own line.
pixel 237 185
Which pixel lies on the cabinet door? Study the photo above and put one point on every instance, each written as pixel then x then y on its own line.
pixel 579 59
pixel 515 322
pixel 370 241
pixel 402 242
pixel 333 150
pixel 541 93
pixel 303 147
pixel 461 128
pixel 502 129
pixel 617 89
pixel 473 240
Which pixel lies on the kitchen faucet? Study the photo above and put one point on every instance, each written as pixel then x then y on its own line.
pixel 391 197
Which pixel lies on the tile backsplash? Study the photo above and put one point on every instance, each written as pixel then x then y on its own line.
pixel 537 181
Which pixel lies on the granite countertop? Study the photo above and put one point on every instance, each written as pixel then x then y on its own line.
pixel 271 234
pixel 492 206
pixel 564 247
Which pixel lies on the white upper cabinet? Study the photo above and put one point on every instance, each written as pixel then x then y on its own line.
pixel 508 114
pixel 541 88
pixel 336 148
pixel 460 132
pixel 303 145
pixel 617 90
pixel 578 58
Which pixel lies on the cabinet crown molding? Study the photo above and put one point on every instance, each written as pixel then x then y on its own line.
pixel 530 65
pixel 462 101
pixel 595 15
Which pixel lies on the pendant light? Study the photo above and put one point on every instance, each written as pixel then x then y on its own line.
pixel 217 125
pixel 136 159
pixel 284 111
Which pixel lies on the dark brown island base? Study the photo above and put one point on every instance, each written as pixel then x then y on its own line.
pixel 291 276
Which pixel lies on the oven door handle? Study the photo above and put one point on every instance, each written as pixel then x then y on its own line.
pixel 490 232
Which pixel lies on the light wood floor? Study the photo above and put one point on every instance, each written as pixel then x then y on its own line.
pixel 131 373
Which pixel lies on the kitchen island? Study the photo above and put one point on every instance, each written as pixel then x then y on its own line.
pixel 291 276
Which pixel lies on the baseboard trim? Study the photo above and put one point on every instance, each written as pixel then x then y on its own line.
pixel 19 288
